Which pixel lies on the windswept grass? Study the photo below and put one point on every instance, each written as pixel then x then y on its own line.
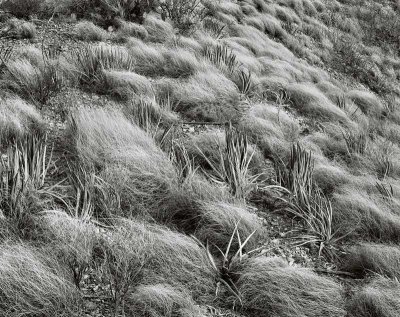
pixel 379 298
pixel 269 286
pixel 32 283
pixel 17 119
pixel 125 155
pixel 162 300
pixel 370 258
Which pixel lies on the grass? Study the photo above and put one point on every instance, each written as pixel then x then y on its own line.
pixel 380 297
pixel 370 258
pixel 125 155
pixel 162 300
pixel 72 239
pixel 37 83
pixel 19 29
pixel 307 91
pixel 17 119
pixel 33 283
pixel 270 286
pixel 88 31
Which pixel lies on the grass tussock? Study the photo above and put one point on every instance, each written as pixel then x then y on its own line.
pixel 33 284
pixel 71 239
pixel 162 300
pixel 308 100
pixel 88 31
pixel 379 298
pixel 20 29
pixel 269 286
pixel 370 258
pixel 17 119
pixel 126 156
pixel 219 220
pixel 168 257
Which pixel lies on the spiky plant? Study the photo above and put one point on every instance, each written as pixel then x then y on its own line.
pixel 232 167
pixel 297 174
pixel 23 170
pixel 224 267
pixel 245 82
pixel 356 142
pixel 222 57
pixel 386 190
pixel 317 214
pixel 184 163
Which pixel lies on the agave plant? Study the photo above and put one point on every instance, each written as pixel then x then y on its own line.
pixel 224 268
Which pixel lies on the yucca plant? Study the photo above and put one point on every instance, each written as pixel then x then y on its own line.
pixel 222 57
pixel 229 259
pixel 317 214
pixel 386 190
pixel 232 167
pixel 23 169
pixel 297 174
pixel 356 142
pixel 93 197
pixel 184 163
pixel 245 82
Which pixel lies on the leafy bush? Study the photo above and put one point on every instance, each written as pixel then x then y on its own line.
pixel 22 8
pixel 185 14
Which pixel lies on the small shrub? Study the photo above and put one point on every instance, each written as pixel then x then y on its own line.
pixel 88 31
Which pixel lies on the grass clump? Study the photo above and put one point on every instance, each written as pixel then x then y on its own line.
pixel 88 31
pixel 17 119
pixel 379 298
pixel 125 156
pixel 170 258
pixel 310 101
pixel 22 9
pixel 270 287
pixel 162 300
pixel 33 284
pixel 19 29
pixel 72 239
pixel 36 83
pixel 372 258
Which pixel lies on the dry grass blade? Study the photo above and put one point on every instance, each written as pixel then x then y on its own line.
pixel 222 57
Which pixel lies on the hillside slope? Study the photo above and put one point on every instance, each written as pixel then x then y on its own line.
pixel 199 158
